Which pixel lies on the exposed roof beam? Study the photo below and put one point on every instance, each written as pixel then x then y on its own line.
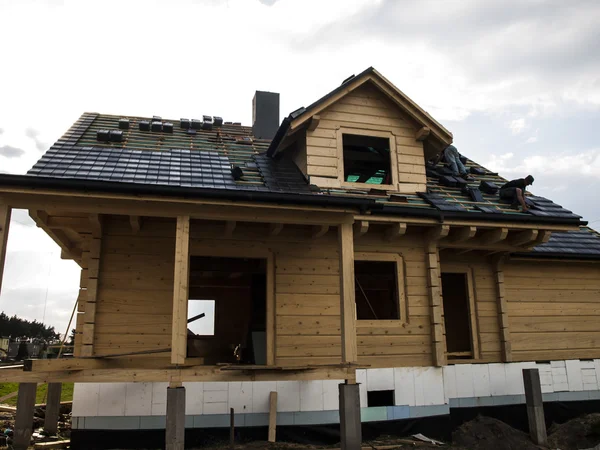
pixel 438 232
pixel 361 227
pixel 422 134
pixel 230 227
pixel 275 229
pixel 463 234
pixel 136 223
pixel 494 236
pixel 314 122
pixel 319 230
pixel 524 237
pixel 395 231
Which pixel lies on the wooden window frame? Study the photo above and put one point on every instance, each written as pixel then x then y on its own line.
pixel 372 133
pixel 472 302
pixel 400 286
pixel 266 254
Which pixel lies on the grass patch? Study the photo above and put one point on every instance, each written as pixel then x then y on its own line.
pixel 65 396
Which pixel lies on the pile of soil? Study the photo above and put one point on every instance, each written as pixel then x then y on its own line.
pixel 579 433
pixel 484 433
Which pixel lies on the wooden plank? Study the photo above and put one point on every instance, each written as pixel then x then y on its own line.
pixel 422 133
pixel 180 291
pixel 503 314
pixel 65 443
pixel 347 301
pixel 5 213
pixel 272 416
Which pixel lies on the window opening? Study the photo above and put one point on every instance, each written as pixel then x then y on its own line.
pixel 376 290
pixel 380 398
pixel 231 293
pixel 366 159
pixel 455 293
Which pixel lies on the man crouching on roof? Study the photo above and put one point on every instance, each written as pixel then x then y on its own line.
pixel 514 191
pixel 452 157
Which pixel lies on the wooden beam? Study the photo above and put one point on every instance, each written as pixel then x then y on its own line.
pixel 498 262
pixel 92 264
pixel 422 134
pixel 5 213
pixel 314 122
pixel 275 229
pixel 347 300
pixel 24 417
pixel 463 234
pixel 319 230
pixel 435 303
pixel 523 238
pixel 96 223
pixel 180 291
pixel 136 223
pixel 438 232
pixel 361 227
pixel 230 227
pixel 494 236
pixel 395 231
pixel 542 237
pixel 272 416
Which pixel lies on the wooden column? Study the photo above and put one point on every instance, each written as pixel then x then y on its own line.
pixel 24 417
pixel 272 416
pixel 91 270
pixel 180 291
pixel 435 302
pixel 5 212
pixel 175 429
pixel 52 408
pixel 535 406
pixel 347 301
pixel 350 424
pixel 505 343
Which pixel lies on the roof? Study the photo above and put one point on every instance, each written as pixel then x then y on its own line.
pixel 580 244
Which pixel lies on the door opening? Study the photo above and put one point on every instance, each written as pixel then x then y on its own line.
pixel 455 293
pixel 227 310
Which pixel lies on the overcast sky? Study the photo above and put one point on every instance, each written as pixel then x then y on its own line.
pixel 516 81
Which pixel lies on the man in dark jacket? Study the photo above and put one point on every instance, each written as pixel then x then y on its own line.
pixel 515 191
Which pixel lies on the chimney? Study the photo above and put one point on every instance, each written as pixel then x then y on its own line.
pixel 265 114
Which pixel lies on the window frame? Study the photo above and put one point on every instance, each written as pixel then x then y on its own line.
pixel 472 302
pixel 370 133
pixel 400 286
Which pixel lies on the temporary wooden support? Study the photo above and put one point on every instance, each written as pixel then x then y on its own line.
pixel 350 423
pixel 180 291
pixel 535 406
pixel 314 122
pixel 422 134
pixel 5 213
pixel 175 426
pixel 275 229
pixel 93 272
pixel 395 231
pixel 361 227
pixel 319 231
pixel 272 416
pixel 136 223
pixel 347 300
pixel 435 303
pixel 505 342
pixel 24 417
pixel 52 408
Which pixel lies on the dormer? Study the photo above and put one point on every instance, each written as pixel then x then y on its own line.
pixel 364 134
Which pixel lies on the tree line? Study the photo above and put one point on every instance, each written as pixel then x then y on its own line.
pixel 15 327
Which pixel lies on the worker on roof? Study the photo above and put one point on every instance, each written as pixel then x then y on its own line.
pixel 514 191
pixel 452 157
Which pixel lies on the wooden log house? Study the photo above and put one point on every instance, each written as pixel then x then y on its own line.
pixel 322 252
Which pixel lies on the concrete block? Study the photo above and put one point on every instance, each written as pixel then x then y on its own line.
pixel 74 423
pixel 311 395
pixel 240 396
pixel 554 364
pixel 574 396
pixel 361 379
pixel 509 399
pixel 404 386
pixel 497 379
pixel 85 399
pixel 429 411
pixel 373 414
pixel 112 399
pixel 597 367
pixel 467 402
pixel 380 379
pixel 215 397
pixel 481 380
pixel 215 408
pixel 331 395
pixel 194 398
pixel 454 403
pixel 587 364
pixel 449 374
pixel 464 380
pixel 285 418
pixel 257 419
pixel 288 396
pixel 433 391
pixel 112 423
pixel 420 385
pixel 138 399
pixel 316 417
pixel 594 395
pixel 574 375
pixel 260 395
pixel 398 412
pixel 153 422
pixel 484 401
pixel 159 399
pixel 216 386
pixel 550 397
pixel 215 420
pixel 514 378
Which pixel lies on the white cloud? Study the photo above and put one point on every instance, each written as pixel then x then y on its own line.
pixel 517 126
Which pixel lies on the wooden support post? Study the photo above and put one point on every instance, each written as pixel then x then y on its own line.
pixel 24 417
pixel 231 428
pixel 350 425
pixel 5 212
pixel 347 301
pixel 505 342
pixel 175 430
pixel 52 408
pixel 180 291
pixel 435 302
pixel 535 406
pixel 272 416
